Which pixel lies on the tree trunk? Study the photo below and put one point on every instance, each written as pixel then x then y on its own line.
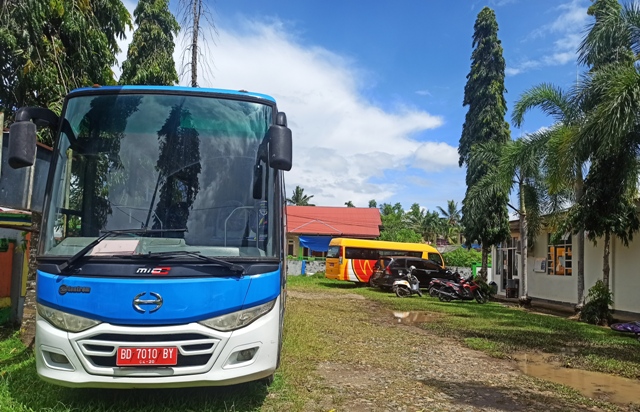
pixel 524 254
pixel 28 327
pixel 485 262
pixel 605 259
pixel 524 248
pixel 579 193
pixel 194 42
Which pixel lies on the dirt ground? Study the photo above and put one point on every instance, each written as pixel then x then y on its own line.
pixel 390 363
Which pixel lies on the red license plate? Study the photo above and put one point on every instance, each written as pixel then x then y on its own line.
pixel 147 356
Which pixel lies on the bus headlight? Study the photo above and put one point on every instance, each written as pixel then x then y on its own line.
pixel 239 319
pixel 65 321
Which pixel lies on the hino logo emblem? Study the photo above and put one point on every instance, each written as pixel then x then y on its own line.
pixel 137 302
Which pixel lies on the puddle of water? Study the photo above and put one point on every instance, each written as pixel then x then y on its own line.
pixel 594 385
pixel 414 318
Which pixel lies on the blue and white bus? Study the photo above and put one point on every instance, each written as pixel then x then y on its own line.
pixel 161 257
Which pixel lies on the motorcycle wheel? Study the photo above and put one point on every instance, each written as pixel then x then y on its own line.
pixel 402 292
pixel 480 298
pixel 433 291
pixel 444 298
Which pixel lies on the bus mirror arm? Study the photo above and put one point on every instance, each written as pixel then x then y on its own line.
pixel 257 168
pixel 257 181
pixel 23 134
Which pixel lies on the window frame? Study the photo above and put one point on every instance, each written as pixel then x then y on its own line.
pixel 565 246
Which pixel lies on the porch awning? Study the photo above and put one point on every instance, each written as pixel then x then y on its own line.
pixel 316 243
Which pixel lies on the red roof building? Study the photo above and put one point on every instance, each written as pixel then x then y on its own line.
pixel 308 223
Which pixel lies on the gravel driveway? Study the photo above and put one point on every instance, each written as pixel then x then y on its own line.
pixel 379 364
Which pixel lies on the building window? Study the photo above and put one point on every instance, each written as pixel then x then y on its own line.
pixel 290 249
pixel 559 256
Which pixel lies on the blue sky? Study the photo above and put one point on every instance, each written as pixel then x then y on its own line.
pixel 373 90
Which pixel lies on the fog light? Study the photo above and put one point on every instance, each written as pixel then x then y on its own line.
pixel 58 358
pixel 246 355
pixel 242 357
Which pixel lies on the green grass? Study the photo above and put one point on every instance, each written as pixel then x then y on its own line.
pixel 503 331
pixel 21 390
pixel 319 331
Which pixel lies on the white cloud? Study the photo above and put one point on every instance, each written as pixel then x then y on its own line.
pixel 436 156
pixel 569 26
pixel 341 140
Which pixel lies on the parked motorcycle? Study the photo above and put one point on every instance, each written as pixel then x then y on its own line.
pixel 407 285
pixel 437 284
pixel 466 289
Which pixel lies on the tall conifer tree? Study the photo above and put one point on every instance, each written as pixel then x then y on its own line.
pixel 487 223
pixel 150 54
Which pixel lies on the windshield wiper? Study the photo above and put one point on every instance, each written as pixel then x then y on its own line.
pixel 232 266
pixel 69 262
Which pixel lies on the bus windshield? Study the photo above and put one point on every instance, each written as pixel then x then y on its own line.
pixel 180 163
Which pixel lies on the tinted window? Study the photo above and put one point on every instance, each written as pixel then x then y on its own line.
pixel 360 253
pixel 436 258
pixel 333 251
pixel 180 163
pixel 420 264
pixel 398 263
pixel 431 265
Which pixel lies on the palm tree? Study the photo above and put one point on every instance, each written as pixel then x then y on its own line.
pixel 563 162
pixel 349 203
pixel 299 198
pixel 609 94
pixel 427 224
pixel 517 164
pixel 452 218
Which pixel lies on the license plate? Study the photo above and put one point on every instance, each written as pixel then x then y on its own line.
pixel 151 356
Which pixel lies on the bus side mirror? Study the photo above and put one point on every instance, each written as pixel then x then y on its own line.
pixel 23 134
pixel 22 144
pixel 280 147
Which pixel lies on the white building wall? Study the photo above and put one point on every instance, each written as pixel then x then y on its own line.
pixel 624 281
pixel 625 275
pixel 544 286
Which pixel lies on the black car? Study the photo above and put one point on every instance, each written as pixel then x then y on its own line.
pixel 389 268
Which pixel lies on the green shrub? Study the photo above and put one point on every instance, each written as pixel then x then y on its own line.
pixel 596 309
pixel 462 257
pixel 485 288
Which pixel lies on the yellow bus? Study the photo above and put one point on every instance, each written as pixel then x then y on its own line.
pixel 353 259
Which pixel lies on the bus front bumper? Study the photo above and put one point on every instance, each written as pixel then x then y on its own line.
pixel 206 357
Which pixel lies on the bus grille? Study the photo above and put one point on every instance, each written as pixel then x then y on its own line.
pixel 195 352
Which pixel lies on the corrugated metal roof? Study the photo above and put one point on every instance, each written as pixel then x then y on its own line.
pixel 334 221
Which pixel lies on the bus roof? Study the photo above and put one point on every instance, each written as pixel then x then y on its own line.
pixel 179 89
pixel 382 244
